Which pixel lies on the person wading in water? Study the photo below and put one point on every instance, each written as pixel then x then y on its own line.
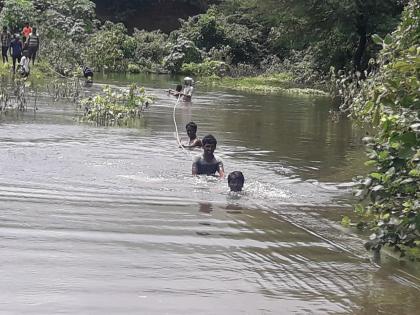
pixel 208 163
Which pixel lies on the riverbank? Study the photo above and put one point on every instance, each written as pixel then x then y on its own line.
pixel 279 83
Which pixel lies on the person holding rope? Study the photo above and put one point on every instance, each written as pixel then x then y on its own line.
pixel 188 89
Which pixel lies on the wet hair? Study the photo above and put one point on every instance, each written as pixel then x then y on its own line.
pixel 178 88
pixel 236 175
pixel 191 125
pixel 209 139
pixel 4 28
pixel 34 30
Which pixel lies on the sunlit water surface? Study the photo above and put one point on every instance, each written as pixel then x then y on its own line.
pixel 101 220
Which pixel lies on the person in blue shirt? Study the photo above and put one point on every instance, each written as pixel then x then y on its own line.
pixel 16 47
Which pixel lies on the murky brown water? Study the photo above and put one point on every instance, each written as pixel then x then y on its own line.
pixel 109 220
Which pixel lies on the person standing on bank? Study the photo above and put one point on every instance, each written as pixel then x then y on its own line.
pixel 5 43
pixel 33 44
pixel 27 30
pixel 16 47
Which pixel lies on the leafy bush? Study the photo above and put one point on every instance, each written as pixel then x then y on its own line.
pixel 207 68
pixel 389 99
pixel 183 51
pixel 151 46
pixel 115 106
pixel 110 48
pixel 133 68
pixel 213 31
pixel 15 13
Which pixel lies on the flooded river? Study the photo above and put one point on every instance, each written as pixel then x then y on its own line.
pixel 99 220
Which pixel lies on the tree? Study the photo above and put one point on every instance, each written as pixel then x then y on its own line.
pixel 16 12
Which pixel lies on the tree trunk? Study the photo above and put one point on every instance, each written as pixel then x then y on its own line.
pixel 361 48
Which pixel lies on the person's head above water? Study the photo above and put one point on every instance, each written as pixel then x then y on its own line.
pixel 191 128
pixel 209 145
pixel 178 88
pixel 236 181
pixel 4 28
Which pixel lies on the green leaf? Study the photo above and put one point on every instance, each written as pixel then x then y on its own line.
pixel 388 39
pixel 377 176
pixel 371 163
pixel 377 39
pixel 345 221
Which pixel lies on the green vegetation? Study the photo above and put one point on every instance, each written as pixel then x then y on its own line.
pixel 115 106
pixel 389 99
pixel 279 83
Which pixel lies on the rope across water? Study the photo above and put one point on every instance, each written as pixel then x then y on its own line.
pixel 176 128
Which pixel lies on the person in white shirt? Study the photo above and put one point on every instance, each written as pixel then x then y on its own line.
pixel 188 89
pixel 24 64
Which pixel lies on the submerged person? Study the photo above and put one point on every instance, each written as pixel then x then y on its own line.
pixel 188 89
pixel 194 141
pixel 88 74
pixel 16 47
pixel 24 64
pixel 177 92
pixel 33 44
pixel 236 181
pixel 208 163
pixel 5 38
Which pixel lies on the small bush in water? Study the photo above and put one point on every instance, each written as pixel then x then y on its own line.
pixel 116 106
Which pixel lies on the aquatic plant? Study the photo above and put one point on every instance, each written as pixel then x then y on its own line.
pixel 115 106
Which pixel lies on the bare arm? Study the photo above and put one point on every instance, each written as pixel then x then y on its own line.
pixel 221 170
pixel 194 169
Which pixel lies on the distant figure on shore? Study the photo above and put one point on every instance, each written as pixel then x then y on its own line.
pixel 188 89
pixel 177 92
pixel 16 47
pixel 24 69
pixel 194 141
pixel 33 44
pixel 208 163
pixel 236 181
pixel 5 38
pixel 88 74
pixel 26 31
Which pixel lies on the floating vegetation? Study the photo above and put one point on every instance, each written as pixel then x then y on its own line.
pixel 116 106
pixel 280 83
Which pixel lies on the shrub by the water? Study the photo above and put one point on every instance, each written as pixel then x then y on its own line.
pixel 389 99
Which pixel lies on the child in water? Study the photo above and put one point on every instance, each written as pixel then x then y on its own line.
pixel 236 181
pixel 194 141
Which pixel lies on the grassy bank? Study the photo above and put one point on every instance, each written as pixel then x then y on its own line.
pixel 280 83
